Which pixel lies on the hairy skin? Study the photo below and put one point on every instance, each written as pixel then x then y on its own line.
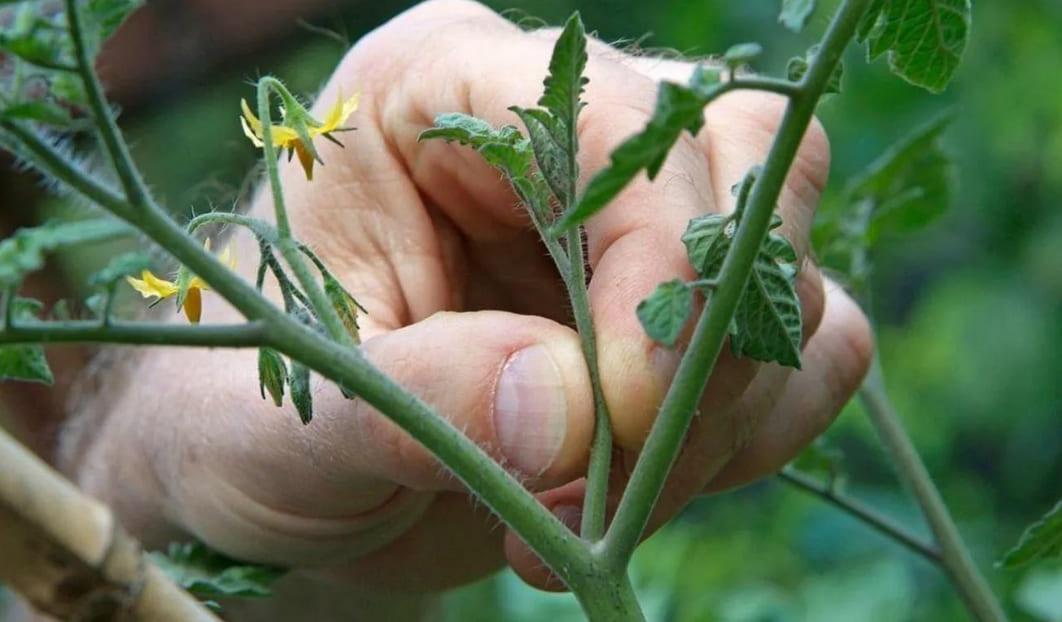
pixel 456 283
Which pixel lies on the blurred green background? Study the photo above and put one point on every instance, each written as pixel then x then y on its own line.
pixel 968 314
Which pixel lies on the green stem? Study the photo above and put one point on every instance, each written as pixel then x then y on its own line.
pixel 261 230
pixel 136 191
pixel 787 88
pixel 564 553
pixel 883 524
pixel 288 291
pixel 265 86
pixel 250 335
pixel 954 556
pixel 597 475
pixel 60 167
pixel 289 248
pixel 570 263
pixel 607 596
pixel 680 404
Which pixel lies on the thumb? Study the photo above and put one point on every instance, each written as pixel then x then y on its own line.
pixel 516 385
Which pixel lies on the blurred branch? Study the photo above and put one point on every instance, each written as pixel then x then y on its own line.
pixel 955 558
pixel 883 524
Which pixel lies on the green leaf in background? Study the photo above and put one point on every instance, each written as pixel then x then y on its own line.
pixel 910 185
pixel 821 459
pixel 37 110
pixel 665 312
pixel 1040 594
pixel 299 383
pixel 105 16
pixel 742 54
pixel 208 574
pixel 119 267
pixel 922 39
pixel 24 251
pixel 797 67
pixel 25 362
pixel 795 13
pixel 37 35
pixel 905 189
pixel 1042 540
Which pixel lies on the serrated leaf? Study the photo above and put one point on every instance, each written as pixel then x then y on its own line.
pixel 550 152
pixel 208 574
pixel 565 82
pixel 766 324
pixel 119 267
pixel 24 251
pixel 768 316
pixel 797 67
pixel 552 128
pixel 707 243
pixel 779 248
pixel 1042 540
pixel 25 362
pixel 795 13
pixel 742 53
pixel 922 39
pixel 677 108
pixel 299 384
pixel 665 312
pixel 504 148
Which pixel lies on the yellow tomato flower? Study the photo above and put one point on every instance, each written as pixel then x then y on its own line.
pixel 287 137
pixel 151 286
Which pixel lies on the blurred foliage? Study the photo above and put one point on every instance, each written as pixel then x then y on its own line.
pixel 967 312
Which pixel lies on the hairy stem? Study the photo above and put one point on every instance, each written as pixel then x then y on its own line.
pixel 680 404
pixel 597 476
pixel 954 556
pixel 607 596
pixel 883 524
pixel 136 191
pixel 289 248
pixel 52 163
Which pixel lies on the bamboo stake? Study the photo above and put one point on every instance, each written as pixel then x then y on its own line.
pixel 65 553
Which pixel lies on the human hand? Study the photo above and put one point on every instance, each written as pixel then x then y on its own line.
pixel 466 311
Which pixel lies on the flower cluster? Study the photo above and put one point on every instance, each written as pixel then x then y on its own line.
pixel 299 128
